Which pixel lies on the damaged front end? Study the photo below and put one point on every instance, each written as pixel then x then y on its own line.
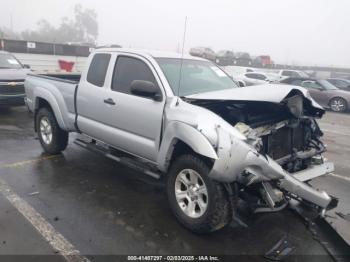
pixel 281 152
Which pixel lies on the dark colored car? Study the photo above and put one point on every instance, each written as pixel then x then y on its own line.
pixel 243 59
pixel 204 52
pixel 225 58
pixel 12 75
pixel 340 83
pixel 326 94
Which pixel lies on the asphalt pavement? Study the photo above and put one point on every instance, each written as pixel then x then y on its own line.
pixel 82 204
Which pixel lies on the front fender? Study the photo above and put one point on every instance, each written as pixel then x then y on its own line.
pixel 189 135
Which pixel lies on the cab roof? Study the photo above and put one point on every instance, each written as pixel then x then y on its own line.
pixel 151 53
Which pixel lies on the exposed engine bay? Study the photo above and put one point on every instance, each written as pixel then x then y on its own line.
pixel 288 153
pixel 280 131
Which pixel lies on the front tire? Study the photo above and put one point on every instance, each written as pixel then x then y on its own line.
pixel 198 202
pixel 338 104
pixel 52 138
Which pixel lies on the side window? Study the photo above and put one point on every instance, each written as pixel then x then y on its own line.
pixel 287 73
pixel 311 84
pixel 256 76
pixel 306 84
pixel 253 76
pixel 340 83
pixel 128 69
pixel 261 77
pixel 98 69
pixel 297 82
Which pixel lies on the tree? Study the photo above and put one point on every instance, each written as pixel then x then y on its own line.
pixel 82 28
pixel 8 33
pixel 86 23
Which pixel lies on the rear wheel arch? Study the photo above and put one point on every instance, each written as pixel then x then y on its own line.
pixel 50 104
pixel 40 103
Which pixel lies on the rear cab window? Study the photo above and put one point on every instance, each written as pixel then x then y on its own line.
pixel 98 69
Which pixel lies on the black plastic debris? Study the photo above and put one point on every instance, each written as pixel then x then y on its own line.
pixel 343 216
pixel 279 251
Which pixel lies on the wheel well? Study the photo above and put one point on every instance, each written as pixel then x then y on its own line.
pixel 330 100
pixel 42 103
pixel 181 148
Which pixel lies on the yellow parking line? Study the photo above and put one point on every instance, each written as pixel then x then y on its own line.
pixel 22 163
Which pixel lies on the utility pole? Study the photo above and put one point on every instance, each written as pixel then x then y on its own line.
pixel 11 22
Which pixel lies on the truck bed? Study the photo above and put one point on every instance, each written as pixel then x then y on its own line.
pixel 70 78
pixel 59 91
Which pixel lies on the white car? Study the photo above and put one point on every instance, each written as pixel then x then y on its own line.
pixel 292 73
pixel 258 78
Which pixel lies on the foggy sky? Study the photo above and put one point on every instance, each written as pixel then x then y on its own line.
pixel 309 32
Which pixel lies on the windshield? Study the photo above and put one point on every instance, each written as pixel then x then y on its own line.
pixel 197 76
pixel 8 61
pixel 327 85
pixel 303 74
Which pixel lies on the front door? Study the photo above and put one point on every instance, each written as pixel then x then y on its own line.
pixel 136 120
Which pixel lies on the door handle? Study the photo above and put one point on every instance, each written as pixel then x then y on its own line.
pixel 109 101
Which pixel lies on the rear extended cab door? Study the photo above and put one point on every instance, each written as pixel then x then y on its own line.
pixel 110 113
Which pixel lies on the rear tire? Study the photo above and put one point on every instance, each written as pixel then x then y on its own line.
pixel 199 203
pixel 52 138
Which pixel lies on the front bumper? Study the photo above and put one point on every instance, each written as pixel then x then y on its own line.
pixel 12 100
pixel 236 156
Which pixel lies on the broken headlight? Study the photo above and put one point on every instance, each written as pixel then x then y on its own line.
pixel 252 138
pixel 295 105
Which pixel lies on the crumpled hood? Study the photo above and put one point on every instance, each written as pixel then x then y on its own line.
pixel 13 74
pixel 274 93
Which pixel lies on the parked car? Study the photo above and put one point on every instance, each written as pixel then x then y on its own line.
pixel 242 59
pixel 292 73
pixel 236 71
pixel 258 78
pixel 326 94
pixel 12 75
pixel 203 52
pixel 340 83
pixel 225 58
pixel 211 141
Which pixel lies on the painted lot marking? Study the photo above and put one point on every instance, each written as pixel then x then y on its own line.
pixel 26 162
pixel 54 238
pixel 340 176
pixel 335 132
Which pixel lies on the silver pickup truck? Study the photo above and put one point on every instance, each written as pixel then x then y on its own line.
pixel 185 120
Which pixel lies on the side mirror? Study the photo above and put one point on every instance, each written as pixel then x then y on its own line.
pixel 145 89
pixel 26 66
pixel 241 83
